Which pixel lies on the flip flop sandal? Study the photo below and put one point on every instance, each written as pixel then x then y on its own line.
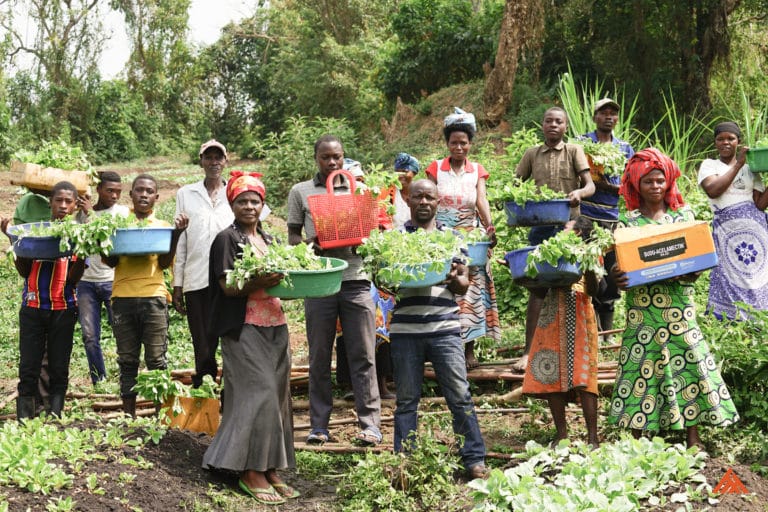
pixel 368 437
pixel 255 493
pixel 286 491
pixel 318 437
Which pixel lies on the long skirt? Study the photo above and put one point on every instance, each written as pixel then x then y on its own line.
pixel 741 240
pixel 256 431
pixel 667 378
pixel 563 355
pixel 478 311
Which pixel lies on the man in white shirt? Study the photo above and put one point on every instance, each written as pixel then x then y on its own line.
pixel 95 287
pixel 205 203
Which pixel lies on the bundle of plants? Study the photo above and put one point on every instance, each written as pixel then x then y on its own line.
pixel 568 247
pixel 277 258
pixel 381 183
pixel 604 159
pixel 397 258
pixel 94 237
pixel 520 192
pixel 160 387
pixel 60 155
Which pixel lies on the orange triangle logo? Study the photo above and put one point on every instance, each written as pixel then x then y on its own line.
pixel 730 484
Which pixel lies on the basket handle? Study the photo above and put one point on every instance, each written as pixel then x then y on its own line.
pixel 346 174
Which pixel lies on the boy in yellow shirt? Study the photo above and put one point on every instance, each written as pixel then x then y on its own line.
pixel 140 298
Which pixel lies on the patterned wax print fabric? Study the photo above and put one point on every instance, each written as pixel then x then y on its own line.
pixel 457 209
pixel 385 303
pixel 740 231
pixel 563 355
pixel 667 378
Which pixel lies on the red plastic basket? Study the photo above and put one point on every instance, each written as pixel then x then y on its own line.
pixel 343 220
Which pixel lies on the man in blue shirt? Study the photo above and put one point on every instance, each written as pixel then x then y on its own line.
pixel 603 207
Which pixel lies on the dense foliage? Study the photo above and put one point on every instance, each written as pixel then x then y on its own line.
pixel 352 59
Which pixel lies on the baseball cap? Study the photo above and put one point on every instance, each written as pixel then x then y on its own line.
pixel 605 102
pixel 213 143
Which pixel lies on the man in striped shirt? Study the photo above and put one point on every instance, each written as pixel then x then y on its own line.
pixel 425 326
pixel 47 315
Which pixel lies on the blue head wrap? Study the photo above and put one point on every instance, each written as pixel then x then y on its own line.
pixel 407 162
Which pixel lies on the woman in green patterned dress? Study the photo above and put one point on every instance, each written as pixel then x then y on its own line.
pixel 667 378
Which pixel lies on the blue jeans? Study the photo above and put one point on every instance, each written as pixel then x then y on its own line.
pixel 409 352
pixel 90 297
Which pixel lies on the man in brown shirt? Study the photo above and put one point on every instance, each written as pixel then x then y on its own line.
pixel 564 168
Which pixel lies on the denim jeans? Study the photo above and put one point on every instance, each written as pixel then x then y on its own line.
pixel 139 321
pixel 44 331
pixel 90 296
pixel 409 352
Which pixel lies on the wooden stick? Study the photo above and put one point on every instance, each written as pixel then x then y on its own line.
pixel 9 399
pixel 338 448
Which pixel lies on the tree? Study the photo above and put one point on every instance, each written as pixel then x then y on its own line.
pixel 521 28
pixel 64 52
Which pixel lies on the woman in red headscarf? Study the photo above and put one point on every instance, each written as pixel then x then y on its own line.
pixel 667 378
pixel 256 433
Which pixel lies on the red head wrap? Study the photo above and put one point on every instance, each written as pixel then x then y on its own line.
pixel 642 163
pixel 240 182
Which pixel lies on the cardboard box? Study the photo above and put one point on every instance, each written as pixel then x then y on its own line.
pixel 44 178
pixel 654 253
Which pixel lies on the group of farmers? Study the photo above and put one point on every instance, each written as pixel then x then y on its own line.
pixel 667 378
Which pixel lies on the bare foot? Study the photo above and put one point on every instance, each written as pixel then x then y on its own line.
pixel 521 364
pixel 472 361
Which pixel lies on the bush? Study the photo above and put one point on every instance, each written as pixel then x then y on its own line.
pixel 289 155
pixel 440 42
pixel 741 350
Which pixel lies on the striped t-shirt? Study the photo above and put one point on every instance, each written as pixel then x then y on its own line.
pixel 430 311
pixel 47 287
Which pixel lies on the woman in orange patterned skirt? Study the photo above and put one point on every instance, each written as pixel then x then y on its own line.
pixel 562 362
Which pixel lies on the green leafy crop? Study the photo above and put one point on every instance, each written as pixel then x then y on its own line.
pixel 278 258
pixel 60 155
pixel 391 255
pixel 608 157
pixel 94 237
pixel 521 192
pixel 572 248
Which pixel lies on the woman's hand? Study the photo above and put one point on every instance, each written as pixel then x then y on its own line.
pixel 741 156
pixel 619 277
pixel 266 280
pixel 491 232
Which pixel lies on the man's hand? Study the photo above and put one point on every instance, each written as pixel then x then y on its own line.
pixel 181 222
pixel 178 300
pixel 574 197
pixel 84 204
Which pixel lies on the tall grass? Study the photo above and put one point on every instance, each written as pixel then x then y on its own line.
pixel 753 122
pixel 579 99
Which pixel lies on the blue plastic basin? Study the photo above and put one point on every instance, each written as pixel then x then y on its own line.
pixel 431 278
pixel 35 247
pixel 478 253
pixel 543 213
pixel 564 274
pixel 141 241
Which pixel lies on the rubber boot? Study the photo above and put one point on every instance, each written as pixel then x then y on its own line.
pixel 129 406
pixel 25 407
pixel 57 404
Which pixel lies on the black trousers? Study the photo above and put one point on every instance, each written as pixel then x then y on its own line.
pixel 205 346
pixel 42 330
